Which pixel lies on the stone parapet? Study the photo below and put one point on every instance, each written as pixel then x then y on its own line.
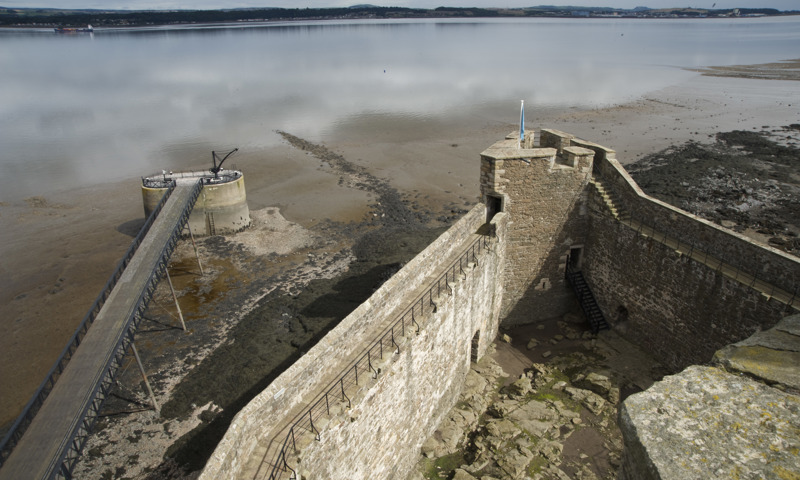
pixel 766 263
pixel 705 423
pixel 381 435
pixel 679 309
pixel 772 356
pixel 662 297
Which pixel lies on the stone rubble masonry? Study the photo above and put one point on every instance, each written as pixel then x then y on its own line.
pixel 767 263
pixel 544 192
pixel 679 309
pixel 392 419
pixel 382 434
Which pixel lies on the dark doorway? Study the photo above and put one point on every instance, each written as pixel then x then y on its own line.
pixel 575 259
pixel 494 205
pixel 622 314
pixel 476 340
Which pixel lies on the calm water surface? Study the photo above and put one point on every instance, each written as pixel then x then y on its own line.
pixel 80 109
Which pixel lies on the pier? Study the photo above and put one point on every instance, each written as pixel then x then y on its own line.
pixel 47 438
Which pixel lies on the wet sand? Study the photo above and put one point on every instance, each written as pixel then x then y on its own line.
pixel 58 250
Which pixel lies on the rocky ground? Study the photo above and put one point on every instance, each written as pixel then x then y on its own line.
pixel 746 181
pixel 785 70
pixel 548 414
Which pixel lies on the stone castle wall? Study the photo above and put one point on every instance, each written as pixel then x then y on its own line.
pixel 767 263
pixel 381 436
pixel 675 307
pixel 412 392
pixel 543 191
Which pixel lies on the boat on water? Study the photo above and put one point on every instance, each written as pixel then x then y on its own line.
pixel 88 29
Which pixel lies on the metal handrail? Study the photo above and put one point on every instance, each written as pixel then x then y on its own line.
pixel 304 424
pixel 24 419
pixel 165 179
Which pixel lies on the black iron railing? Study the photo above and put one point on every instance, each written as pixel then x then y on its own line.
pixel 365 366
pixel 166 179
pixel 586 300
pixel 101 389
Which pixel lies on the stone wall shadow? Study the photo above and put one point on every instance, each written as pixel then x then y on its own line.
pixel 556 298
pixel 131 227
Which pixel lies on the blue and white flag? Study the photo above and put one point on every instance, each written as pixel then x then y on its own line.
pixel 521 123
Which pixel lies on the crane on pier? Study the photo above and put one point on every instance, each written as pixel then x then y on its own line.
pixel 216 168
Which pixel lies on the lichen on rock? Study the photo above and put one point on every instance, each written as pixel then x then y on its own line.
pixel 707 423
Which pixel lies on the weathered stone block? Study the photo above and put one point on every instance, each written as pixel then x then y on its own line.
pixel 705 423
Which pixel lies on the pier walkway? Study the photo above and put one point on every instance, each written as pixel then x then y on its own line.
pixel 50 444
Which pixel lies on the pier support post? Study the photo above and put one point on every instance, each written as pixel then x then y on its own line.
pixel 146 382
pixel 196 254
pixel 175 297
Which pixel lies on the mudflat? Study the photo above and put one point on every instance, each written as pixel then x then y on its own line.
pixel 317 214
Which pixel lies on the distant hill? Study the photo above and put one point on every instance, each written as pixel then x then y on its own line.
pixel 55 17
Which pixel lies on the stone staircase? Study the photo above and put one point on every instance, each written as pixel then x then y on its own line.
pixel 612 201
pixel 587 301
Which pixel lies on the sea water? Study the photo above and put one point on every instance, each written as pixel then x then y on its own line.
pixel 80 109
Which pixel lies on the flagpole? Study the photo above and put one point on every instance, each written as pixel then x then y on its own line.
pixel 521 123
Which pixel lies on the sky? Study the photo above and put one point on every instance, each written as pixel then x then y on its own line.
pixel 216 4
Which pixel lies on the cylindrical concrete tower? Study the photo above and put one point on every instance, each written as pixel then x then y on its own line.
pixel 221 207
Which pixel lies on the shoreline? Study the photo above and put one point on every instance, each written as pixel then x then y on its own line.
pixel 160 19
pixel 59 249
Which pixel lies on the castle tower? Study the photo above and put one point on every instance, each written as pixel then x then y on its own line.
pixel 541 186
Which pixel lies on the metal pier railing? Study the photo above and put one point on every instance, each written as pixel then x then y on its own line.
pixel 144 264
